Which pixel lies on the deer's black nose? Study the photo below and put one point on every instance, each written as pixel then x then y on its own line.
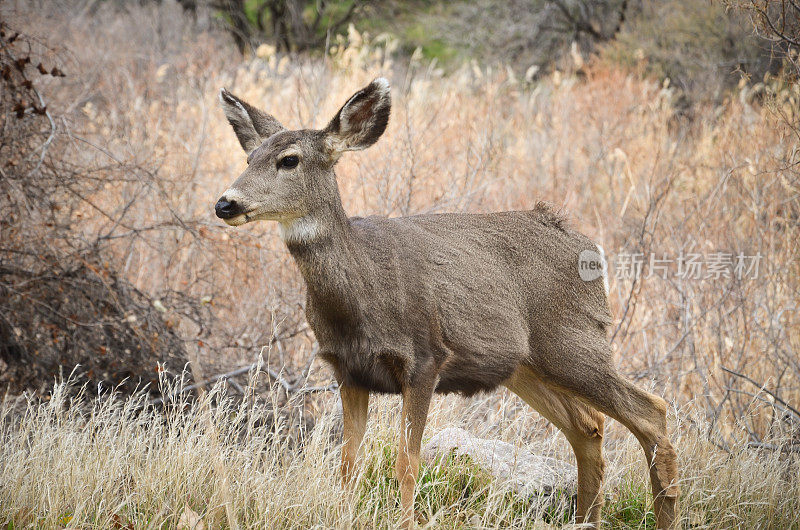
pixel 226 209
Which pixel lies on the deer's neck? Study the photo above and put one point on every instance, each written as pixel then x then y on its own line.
pixel 324 248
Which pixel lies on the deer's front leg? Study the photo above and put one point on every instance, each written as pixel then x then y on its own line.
pixel 355 402
pixel 416 401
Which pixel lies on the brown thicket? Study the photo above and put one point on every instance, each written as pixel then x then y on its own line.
pixel 61 303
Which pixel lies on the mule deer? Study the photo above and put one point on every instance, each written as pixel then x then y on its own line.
pixel 442 303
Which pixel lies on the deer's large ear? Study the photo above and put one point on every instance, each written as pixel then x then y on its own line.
pixel 251 125
pixel 361 121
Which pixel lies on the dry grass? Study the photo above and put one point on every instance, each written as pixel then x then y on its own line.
pixel 117 465
pixel 609 147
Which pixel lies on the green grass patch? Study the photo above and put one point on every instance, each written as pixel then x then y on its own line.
pixel 630 506
pixel 454 492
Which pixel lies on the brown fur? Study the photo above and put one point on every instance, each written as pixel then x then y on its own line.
pixel 447 303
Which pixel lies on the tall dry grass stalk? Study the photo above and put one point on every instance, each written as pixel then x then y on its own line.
pixel 609 147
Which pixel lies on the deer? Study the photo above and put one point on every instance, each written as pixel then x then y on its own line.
pixel 443 303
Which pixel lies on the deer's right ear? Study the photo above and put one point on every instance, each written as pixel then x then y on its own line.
pixel 251 125
pixel 360 121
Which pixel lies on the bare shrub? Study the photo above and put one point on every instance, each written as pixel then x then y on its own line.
pixel 777 22
pixel 62 303
pixel 703 49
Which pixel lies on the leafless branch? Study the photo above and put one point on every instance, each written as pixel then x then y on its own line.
pixel 793 411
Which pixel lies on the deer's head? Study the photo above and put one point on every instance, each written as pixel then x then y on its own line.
pixel 290 174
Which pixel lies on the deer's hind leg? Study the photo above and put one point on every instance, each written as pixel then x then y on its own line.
pixel 579 362
pixel 583 427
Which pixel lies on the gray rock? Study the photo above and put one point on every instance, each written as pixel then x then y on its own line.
pixel 515 468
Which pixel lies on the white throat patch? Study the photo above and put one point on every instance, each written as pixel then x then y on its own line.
pixel 299 230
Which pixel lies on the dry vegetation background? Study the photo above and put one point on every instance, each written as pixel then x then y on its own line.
pixel 148 151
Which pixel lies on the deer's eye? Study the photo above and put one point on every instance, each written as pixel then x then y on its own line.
pixel 288 162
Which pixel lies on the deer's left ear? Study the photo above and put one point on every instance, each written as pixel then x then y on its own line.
pixel 361 121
